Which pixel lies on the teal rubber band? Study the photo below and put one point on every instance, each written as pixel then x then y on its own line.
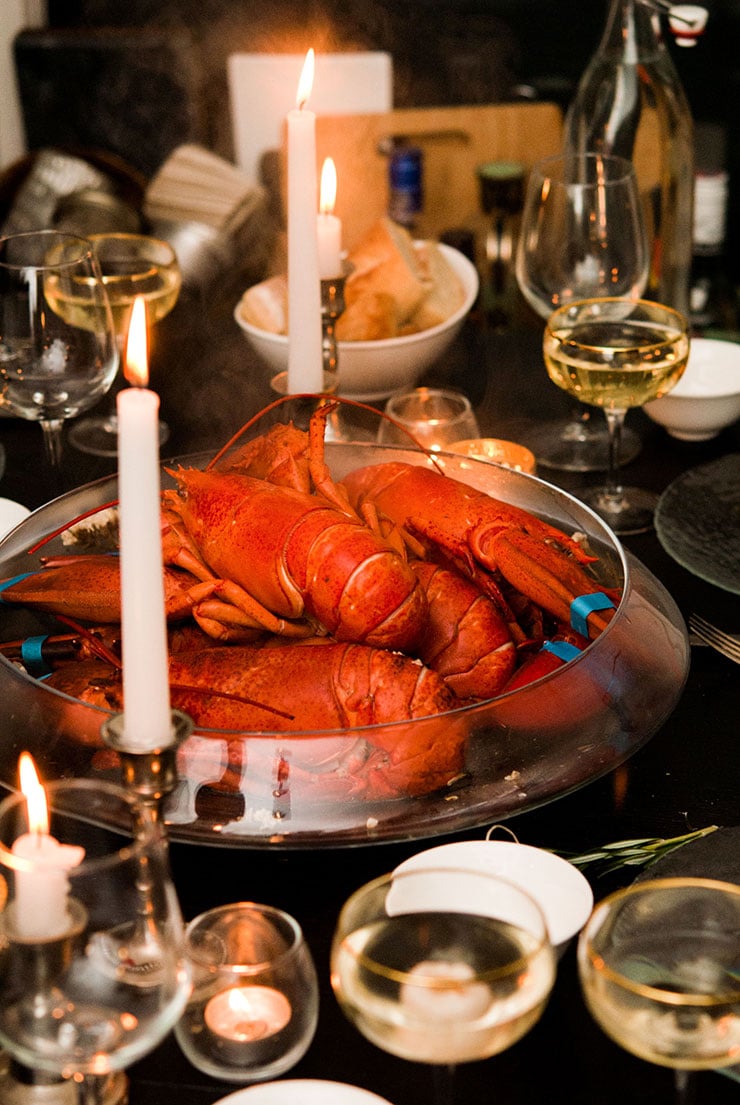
pixel 15 579
pixel 564 650
pixel 32 656
pixel 583 605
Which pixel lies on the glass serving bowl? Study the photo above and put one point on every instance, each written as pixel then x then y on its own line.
pixel 319 789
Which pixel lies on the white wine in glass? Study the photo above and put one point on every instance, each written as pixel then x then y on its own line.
pixel 442 966
pixel 582 235
pixel 658 969
pixel 617 354
pixel 131 265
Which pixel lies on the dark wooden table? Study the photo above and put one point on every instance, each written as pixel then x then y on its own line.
pixel 685 778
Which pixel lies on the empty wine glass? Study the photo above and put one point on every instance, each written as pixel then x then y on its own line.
pixel 442 966
pixel 93 972
pixel 617 354
pixel 131 265
pixel 582 235
pixel 658 968
pixel 58 355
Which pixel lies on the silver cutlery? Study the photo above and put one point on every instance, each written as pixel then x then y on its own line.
pixel 727 644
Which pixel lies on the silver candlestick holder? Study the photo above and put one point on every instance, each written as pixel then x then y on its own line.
pixel 149 775
pixel 332 306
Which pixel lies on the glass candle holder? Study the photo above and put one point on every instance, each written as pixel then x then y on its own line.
pixel 430 418
pixel 254 1005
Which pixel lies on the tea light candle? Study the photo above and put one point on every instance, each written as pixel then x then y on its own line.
pixel 506 453
pixel 305 364
pixel 146 694
pixel 329 225
pixel 247 1014
pixel 41 884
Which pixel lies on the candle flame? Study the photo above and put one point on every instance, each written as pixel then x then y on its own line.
pixel 328 194
pixel 136 368
pixel 305 84
pixel 35 795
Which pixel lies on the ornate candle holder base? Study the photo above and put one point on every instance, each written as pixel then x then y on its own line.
pixel 20 1086
pixel 150 775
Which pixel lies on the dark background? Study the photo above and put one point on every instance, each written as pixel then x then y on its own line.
pixel 141 77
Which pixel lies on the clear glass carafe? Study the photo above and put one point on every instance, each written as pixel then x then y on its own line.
pixel 630 102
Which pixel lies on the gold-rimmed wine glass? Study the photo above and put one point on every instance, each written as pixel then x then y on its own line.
pixel 617 354
pixel 658 968
pixel 131 265
pixel 55 361
pixel 442 966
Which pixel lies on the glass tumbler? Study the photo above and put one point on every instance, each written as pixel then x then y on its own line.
pixel 430 418
pixel 254 1006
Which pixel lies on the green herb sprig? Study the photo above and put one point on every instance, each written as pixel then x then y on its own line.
pixel 641 852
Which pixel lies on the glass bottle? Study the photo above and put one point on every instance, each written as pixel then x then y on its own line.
pixel 630 102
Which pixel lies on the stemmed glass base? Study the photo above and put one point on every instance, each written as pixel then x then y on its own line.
pixel 99 436
pixel 576 445
pixel 627 510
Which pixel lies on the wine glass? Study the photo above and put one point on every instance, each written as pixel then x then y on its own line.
pixel 58 357
pixel 442 965
pixel 131 265
pixel 658 968
pixel 582 235
pixel 617 354
pixel 430 417
pixel 92 966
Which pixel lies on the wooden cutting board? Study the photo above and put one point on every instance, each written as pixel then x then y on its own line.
pixel 454 140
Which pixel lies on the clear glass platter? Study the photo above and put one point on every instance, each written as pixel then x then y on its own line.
pixel 319 789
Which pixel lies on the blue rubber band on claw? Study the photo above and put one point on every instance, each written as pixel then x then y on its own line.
pixel 15 579
pixel 564 650
pixel 32 657
pixel 583 605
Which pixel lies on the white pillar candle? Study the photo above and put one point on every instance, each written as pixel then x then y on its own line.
pixel 305 364
pixel 41 883
pixel 329 225
pixel 146 694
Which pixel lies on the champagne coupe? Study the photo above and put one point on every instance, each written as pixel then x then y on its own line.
pixel 131 265
pixel 442 966
pixel 617 354
pixel 658 968
pixel 93 973
pixel 54 361
pixel 582 236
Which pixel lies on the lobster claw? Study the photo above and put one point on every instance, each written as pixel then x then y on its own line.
pixel 551 579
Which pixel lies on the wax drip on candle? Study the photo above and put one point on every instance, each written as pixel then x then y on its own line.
pixel 41 885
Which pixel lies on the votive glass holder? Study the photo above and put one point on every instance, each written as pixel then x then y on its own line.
pixel 428 418
pixel 254 1006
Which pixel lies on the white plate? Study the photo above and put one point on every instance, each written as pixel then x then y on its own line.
pixel 11 513
pixel 303 1091
pixel 562 892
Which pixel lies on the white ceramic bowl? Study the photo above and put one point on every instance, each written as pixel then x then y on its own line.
pixel 707 397
pixel 302 1091
pixel 372 370
pixel 561 891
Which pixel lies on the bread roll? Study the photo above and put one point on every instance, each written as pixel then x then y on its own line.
pixel 446 293
pixel 370 316
pixel 265 305
pixel 385 261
